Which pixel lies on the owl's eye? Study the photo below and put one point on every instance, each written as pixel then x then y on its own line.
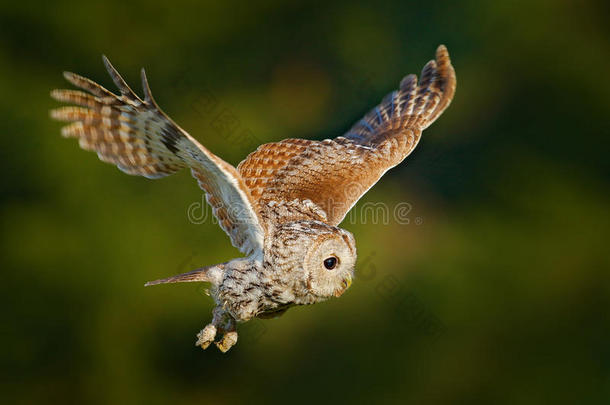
pixel 330 263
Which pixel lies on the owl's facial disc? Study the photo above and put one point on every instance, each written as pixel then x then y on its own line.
pixel 329 264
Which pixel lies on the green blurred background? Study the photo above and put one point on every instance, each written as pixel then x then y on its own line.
pixel 496 291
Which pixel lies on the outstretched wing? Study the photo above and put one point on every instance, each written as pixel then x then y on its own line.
pixel 140 139
pixel 322 180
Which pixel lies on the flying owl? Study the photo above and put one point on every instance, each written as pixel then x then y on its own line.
pixel 281 206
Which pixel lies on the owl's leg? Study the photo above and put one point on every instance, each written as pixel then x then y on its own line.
pixel 206 336
pixel 222 323
pixel 228 329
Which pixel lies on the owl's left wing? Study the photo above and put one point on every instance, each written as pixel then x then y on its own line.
pixel 140 139
pixel 322 180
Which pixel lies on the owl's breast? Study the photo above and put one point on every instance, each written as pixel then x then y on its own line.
pixel 254 292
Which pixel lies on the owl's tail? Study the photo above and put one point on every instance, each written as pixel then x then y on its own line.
pixel 210 274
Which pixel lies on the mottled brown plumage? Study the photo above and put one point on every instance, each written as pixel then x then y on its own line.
pixel 282 204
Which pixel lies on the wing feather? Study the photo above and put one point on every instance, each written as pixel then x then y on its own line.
pixel 140 139
pixel 322 180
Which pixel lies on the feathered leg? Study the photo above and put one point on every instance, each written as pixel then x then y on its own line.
pixel 222 323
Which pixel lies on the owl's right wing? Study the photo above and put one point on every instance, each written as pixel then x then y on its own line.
pixel 322 180
pixel 140 139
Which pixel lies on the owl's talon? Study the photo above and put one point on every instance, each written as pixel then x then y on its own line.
pixel 227 341
pixel 206 336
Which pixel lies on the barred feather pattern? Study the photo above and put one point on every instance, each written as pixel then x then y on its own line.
pixel 124 130
pixel 333 174
pixel 414 106
pixel 140 139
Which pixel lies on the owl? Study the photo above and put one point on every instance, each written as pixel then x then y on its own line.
pixel 282 205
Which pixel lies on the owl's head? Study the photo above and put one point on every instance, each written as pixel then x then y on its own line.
pixel 321 257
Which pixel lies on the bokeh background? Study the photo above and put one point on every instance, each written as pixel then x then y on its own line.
pixel 495 291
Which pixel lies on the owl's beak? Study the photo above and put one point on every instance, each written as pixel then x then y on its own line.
pixel 344 286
